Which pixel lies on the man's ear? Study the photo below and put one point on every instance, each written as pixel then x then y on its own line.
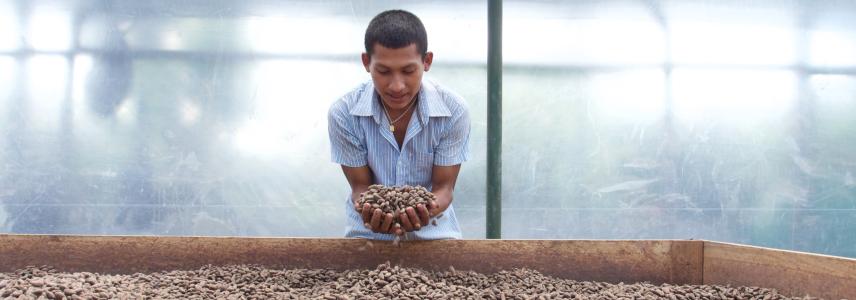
pixel 426 62
pixel 366 60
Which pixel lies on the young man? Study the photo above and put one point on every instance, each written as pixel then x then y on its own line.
pixel 400 130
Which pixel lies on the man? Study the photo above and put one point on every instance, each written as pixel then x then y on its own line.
pixel 400 130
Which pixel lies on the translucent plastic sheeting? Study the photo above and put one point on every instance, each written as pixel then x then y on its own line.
pixel 200 117
pixel 722 120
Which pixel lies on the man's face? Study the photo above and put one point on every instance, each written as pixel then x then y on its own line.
pixel 397 73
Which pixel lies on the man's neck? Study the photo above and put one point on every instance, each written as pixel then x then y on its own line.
pixel 395 113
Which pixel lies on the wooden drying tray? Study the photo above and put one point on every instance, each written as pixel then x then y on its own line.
pixel 629 261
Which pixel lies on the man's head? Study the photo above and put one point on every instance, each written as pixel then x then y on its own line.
pixel 396 56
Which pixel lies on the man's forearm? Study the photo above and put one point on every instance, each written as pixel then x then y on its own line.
pixel 359 178
pixel 444 199
pixel 443 186
pixel 356 191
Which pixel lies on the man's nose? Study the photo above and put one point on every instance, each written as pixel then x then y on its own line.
pixel 397 84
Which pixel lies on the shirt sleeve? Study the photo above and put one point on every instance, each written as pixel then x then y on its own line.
pixel 345 146
pixel 453 148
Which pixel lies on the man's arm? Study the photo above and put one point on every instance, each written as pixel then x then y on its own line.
pixel 443 187
pixel 452 150
pixel 443 181
pixel 359 178
pixel 349 151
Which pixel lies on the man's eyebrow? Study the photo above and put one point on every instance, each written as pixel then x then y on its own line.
pixel 410 65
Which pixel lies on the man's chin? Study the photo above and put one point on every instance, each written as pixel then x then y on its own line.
pixel 397 104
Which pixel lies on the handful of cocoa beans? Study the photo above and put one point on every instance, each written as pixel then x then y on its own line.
pixel 395 199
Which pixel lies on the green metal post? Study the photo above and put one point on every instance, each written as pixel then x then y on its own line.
pixel 494 119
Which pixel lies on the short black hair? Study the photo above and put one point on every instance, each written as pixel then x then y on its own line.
pixel 396 29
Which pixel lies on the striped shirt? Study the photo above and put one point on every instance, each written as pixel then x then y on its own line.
pixel 438 134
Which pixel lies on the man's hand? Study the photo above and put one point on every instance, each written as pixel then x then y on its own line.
pixel 377 220
pixel 436 208
pixel 360 178
pixel 414 219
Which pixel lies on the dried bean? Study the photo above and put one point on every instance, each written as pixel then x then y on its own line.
pixel 385 281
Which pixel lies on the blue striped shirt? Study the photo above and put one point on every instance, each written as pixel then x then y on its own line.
pixel 438 134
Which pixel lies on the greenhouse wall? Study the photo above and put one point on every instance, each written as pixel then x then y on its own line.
pixel 722 120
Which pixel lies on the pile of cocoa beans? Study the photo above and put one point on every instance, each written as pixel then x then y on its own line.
pixel 386 281
pixel 394 200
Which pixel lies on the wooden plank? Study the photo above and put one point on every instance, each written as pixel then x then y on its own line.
pixel 676 262
pixel 791 273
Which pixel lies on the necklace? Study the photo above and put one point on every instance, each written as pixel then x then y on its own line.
pixel 391 121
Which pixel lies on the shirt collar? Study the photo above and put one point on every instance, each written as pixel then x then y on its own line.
pixel 430 103
pixel 365 105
